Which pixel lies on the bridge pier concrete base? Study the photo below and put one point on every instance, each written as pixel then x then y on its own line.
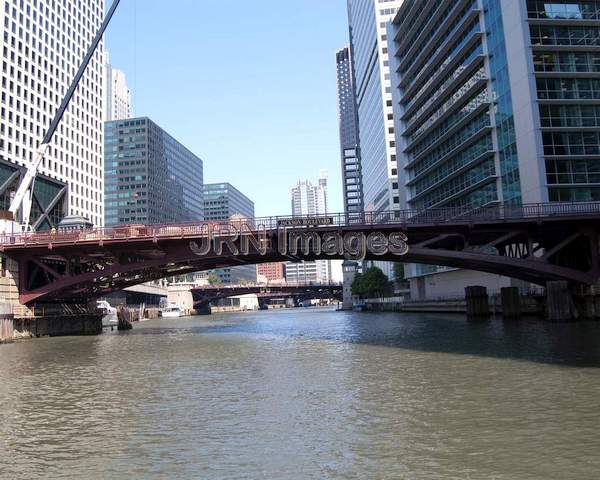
pixel 6 328
pixel 203 310
pixel 58 326
pixel 511 303
pixel 478 305
pixel 55 320
pixel 560 306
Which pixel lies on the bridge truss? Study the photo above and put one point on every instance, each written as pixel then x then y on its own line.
pixel 536 243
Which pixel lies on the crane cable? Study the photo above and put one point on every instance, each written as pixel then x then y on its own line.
pixel 135 76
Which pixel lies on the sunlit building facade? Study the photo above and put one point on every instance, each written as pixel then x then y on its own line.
pixel 117 95
pixel 273 272
pixel 43 44
pixel 370 57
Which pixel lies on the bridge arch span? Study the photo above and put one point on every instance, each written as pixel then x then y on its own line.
pixel 533 247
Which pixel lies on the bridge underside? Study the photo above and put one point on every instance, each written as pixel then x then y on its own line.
pixel 204 296
pixel 532 250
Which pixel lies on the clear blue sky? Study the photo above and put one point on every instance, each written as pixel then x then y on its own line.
pixel 249 86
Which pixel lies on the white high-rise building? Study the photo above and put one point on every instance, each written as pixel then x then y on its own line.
pixel 117 95
pixel 43 43
pixel 307 200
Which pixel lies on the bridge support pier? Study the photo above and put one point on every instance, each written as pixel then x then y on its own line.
pixel 56 320
pixel 478 305
pixel 203 309
pixel 560 306
pixel 590 305
pixel 511 303
pixel 6 323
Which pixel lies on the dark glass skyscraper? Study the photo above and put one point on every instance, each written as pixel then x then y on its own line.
pixel 348 122
pixel 149 176
pixel 223 200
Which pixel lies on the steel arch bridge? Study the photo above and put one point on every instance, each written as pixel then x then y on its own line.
pixel 536 243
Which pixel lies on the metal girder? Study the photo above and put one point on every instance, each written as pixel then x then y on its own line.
pixel 99 267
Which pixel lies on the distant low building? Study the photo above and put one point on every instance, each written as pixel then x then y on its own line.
pixel 270 272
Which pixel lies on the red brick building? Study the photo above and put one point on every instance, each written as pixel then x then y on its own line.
pixel 272 272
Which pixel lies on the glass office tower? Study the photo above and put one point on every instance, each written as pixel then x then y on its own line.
pixel 494 101
pixel 222 201
pixel 565 44
pixel 149 176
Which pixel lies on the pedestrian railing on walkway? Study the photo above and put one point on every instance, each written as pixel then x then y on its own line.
pixel 402 218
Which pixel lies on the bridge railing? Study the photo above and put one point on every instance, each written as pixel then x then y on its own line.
pixel 402 218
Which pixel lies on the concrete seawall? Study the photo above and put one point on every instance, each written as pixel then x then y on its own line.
pixel 48 324
pixel 587 307
pixel 533 306
pixel 57 326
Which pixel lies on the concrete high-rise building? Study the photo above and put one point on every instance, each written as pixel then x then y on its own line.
pixel 43 44
pixel 369 56
pixel 494 101
pixel 348 122
pixel 307 200
pixel 117 95
pixel 222 201
pixel 150 177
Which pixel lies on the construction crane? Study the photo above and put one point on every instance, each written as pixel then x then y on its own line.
pixel 24 196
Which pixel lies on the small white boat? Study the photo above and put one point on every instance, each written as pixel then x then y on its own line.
pixel 172 311
pixel 109 313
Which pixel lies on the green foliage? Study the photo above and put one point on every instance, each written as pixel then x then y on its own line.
pixel 372 283
pixel 214 280
pixel 399 275
pixel 357 286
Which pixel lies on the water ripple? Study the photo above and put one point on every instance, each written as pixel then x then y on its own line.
pixel 303 395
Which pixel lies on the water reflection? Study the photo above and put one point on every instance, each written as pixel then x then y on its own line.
pixel 575 344
pixel 305 394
